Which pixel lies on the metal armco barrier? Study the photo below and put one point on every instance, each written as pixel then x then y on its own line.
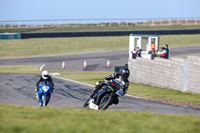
pixel 107 33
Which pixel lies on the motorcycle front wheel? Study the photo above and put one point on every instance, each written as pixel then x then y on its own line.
pixel 86 103
pixel 105 101
pixel 45 100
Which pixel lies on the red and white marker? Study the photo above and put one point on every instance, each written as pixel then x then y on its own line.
pixel 108 63
pixel 85 64
pixel 63 64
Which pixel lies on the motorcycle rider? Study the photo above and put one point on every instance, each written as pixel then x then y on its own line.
pixel 44 77
pixel 121 78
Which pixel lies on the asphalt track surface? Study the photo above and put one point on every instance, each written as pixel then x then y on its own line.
pixel 95 61
pixel 18 89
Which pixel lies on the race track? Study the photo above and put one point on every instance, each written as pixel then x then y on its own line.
pixel 18 89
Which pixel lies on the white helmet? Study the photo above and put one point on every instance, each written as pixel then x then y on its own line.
pixel 45 74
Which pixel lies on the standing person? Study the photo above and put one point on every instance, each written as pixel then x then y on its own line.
pixel 167 50
pixel 153 47
pixel 44 77
pixel 153 50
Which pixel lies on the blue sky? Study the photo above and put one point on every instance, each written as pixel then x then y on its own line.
pixel 92 9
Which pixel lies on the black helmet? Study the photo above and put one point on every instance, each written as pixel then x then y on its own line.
pixel 124 72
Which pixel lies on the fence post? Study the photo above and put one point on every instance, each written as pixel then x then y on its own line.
pixel 34 24
pixel 178 21
pixel 93 22
pixel 135 21
pixel 186 19
pixel 152 21
pixel 4 25
pixel 127 22
pixel 84 23
pixel 11 25
pixel 19 24
pixel 195 20
pixel 26 24
pixel 101 22
pixel 118 22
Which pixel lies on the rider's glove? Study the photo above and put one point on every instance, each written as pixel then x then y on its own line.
pixel 105 81
pixel 36 89
pixel 120 92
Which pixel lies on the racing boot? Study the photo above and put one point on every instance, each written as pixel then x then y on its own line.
pixel 36 95
pixel 36 90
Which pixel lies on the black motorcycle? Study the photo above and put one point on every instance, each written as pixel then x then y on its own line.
pixel 105 96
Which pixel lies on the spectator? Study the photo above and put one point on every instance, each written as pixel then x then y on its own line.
pixel 153 47
pixel 163 53
pixel 133 55
pixel 167 50
pixel 138 52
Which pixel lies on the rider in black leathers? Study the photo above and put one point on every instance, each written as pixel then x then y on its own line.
pixel 121 78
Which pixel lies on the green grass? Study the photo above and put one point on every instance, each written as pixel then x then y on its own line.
pixel 19 69
pixel 56 46
pixel 185 57
pixel 22 119
pixel 97 28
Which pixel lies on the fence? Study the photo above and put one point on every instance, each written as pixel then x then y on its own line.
pixel 99 22
pixel 107 33
pixel 176 74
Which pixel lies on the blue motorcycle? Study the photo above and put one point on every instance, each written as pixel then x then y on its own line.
pixel 44 93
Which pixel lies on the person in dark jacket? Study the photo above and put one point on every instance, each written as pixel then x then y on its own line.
pixel 138 52
pixel 44 77
pixel 121 78
pixel 167 50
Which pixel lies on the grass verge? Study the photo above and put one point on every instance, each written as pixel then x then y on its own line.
pixel 19 69
pixel 22 119
pixel 56 46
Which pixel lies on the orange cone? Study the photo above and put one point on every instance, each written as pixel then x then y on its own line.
pixel 63 64
pixel 108 63
pixel 85 64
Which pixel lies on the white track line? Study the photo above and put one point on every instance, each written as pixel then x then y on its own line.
pixel 42 67
pixel 74 81
pixel 89 85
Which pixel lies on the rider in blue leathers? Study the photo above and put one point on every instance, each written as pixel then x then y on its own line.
pixel 44 77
